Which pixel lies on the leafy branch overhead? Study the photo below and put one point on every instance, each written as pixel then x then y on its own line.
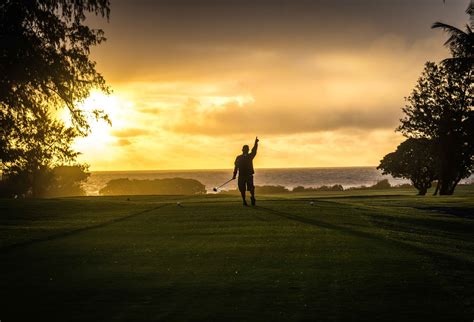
pixel 460 43
pixel 45 67
pixel 45 56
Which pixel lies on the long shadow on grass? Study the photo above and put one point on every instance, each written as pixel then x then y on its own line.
pixel 410 247
pixel 455 269
pixel 79 230
pixel 461 212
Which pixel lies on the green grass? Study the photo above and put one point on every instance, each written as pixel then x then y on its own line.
pixel 359 255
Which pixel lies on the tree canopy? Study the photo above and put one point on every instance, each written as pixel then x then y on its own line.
pixel 461 45
pixel 439 115
pixel 414 159
pixel 440 109
pixel 44 68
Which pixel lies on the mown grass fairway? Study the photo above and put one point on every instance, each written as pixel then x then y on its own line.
pixel 349 257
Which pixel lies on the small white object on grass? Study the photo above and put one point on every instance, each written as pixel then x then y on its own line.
pixel 178 204
pixel 312 203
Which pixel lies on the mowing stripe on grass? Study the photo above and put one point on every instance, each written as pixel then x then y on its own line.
pixel 79 230
pixel 407 246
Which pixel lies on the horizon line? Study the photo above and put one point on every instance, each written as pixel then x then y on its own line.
pixel 221 169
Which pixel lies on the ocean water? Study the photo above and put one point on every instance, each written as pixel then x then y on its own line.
pixel 289 178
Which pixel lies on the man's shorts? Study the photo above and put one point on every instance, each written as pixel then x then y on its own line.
pixel 245 183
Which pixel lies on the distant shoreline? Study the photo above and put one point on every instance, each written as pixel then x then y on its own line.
pixel 289 178
pixel 227 169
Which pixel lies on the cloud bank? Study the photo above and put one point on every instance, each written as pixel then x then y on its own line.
pixel 321 82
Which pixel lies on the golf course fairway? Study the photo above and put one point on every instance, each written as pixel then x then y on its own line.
pixel 349 256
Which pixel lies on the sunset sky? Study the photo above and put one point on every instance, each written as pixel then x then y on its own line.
pixel 321 83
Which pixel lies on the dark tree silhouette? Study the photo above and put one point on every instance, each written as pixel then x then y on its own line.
pixel 461 45
pixel 36 145
pixel 440 109
pixel 166 186
pixel 44 67
pixel 66 181
pixel 414 159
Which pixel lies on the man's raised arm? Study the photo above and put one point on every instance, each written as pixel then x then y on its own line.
pixel 254 149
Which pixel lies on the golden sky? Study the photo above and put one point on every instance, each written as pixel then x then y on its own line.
pixel 322 83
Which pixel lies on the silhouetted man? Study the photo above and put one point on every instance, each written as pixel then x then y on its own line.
pixel 244 164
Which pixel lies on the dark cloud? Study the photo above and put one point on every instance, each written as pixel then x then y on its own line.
pixel 129 132
pixel 123 142
pixel 146 36
pixel 234 119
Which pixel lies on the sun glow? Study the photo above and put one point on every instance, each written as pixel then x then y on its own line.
pixel 101 137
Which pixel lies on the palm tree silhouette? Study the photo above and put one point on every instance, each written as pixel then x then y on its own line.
pixel 461 43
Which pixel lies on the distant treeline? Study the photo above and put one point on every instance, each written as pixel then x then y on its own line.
pixel 45 182
pixel 268 189
pixel 181 186
pixel 169 186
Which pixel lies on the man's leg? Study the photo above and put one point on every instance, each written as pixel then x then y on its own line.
pixel 242 192
pixel 252 197
pixel 252 190
pixel 241 184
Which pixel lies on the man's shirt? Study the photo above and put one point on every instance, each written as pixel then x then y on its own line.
pixel 244 162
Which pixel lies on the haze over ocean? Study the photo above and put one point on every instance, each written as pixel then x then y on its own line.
pixel 290 177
